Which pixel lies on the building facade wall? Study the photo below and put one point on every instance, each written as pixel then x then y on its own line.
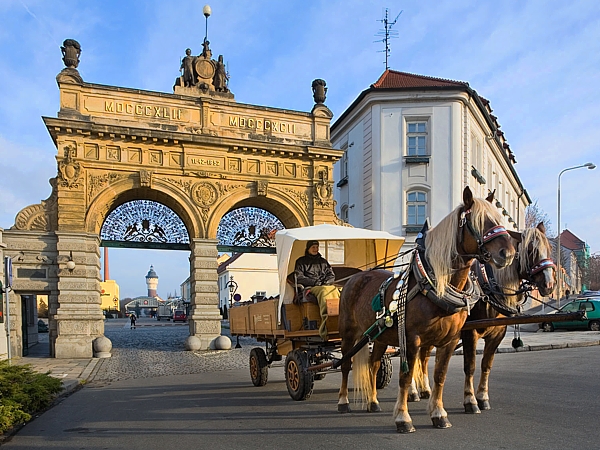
pixel 458 142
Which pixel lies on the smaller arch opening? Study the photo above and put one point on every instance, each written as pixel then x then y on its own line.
pixel 248 229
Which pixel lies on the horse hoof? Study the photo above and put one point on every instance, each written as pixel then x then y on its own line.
pixel 414 397
pixel 425 395
pixel 441 422
pixel 471 408
pixel 484 405
pixel 374 408
pixel 344 408
pixel 405 427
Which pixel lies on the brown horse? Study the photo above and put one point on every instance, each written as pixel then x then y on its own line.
pixel 471 231
pixel 533 264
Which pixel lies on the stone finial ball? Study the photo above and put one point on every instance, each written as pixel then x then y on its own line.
pixel 102 347
pixel 193 343
pixel 223 343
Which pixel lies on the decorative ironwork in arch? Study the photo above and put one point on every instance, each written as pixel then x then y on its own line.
pixel 144 224
pixel 248 229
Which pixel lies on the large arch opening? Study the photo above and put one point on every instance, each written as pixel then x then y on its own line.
pixel 144 224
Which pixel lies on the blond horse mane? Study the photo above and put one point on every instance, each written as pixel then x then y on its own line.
pixel 508 277
pixel 440 243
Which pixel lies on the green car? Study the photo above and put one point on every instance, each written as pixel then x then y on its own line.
pixel 591 320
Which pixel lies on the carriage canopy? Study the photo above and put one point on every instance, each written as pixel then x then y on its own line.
pixel 341 246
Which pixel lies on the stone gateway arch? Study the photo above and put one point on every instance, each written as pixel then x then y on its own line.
pixel 196 151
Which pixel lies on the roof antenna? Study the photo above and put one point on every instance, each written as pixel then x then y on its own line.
pixel 387 33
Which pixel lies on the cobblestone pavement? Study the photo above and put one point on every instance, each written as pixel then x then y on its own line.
pixel 154 351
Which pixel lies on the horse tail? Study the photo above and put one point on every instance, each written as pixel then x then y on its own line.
pixel 418 376
pixel 361 375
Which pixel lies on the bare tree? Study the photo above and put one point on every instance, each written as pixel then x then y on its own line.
pixel 591 275
pixel 534 215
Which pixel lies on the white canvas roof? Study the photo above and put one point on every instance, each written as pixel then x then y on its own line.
pixel 363 249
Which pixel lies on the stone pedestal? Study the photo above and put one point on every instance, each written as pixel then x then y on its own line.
pixel 79 318
pixel 205 318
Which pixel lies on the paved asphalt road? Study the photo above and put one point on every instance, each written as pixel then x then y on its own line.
pixel 540 400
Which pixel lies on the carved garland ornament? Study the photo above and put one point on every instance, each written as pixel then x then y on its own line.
pixel 97 182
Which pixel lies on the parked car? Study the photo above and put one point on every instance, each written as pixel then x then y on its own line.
pixel 179 315
pixel 591 321
pixel 42 326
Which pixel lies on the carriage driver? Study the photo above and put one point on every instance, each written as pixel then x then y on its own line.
pixel 314 272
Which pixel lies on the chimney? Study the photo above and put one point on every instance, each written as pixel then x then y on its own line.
pixel 106 274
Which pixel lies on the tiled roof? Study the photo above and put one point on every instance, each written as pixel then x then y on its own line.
pixel 225 264
pixel 391 79
pixel 570 241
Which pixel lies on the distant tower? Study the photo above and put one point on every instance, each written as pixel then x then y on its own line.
pixel 152 282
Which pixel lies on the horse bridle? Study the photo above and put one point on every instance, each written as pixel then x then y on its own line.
pixel 491 234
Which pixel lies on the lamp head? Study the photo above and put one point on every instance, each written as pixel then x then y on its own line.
pixel 70 262
pixel 206 11
pixel 590 166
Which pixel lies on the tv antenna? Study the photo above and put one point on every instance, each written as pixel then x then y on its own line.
pixel 387 33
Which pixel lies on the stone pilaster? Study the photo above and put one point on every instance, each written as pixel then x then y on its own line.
pixel 205 319
pixel 79 318
pixel 3 340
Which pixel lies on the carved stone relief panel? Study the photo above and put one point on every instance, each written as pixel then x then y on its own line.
pixel 69 170
pixel 156 157
pixel 253 166
pixel 234 165
pixel 146 178
pixel 134 155
pixel 305 172
pixel 204 194
pixel 272 168
pixel 113 153
pixel 289 170
pixel 176 159
pixel 98 182
pixel 92 151
pixel 299 196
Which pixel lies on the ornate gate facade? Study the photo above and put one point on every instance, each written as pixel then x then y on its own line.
pixel 197 152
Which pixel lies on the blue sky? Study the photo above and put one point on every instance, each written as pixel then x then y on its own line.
pixel 538 62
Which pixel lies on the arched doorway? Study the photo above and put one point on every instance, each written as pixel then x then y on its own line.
pixel 198 152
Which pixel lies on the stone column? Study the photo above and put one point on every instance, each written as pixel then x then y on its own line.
pixel 79 318
pixel 205 318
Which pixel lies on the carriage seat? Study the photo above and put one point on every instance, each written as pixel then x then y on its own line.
pixel 301 294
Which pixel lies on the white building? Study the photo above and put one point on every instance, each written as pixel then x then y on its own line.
pixel 254 275
pixel 412 143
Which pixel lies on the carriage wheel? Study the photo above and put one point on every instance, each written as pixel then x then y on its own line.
pixel 259 367
pixel 299 381
pixel 384 374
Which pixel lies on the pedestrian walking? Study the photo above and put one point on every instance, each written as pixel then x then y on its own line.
pixel 132 318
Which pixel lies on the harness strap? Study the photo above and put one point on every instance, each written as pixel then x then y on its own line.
pixel 542 265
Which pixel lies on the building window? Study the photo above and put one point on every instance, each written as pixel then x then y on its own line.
pixel 416 208
pixel 416 138
pixel 343 170
pixel 344 213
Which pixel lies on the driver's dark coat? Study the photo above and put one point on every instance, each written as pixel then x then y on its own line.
pixel 313 271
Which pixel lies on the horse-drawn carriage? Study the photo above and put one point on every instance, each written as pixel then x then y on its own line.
pixel 289 325
pixel 426 306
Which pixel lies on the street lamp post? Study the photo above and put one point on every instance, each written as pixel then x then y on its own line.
pixel 590 166
pixel 232 285
pixel 206 11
